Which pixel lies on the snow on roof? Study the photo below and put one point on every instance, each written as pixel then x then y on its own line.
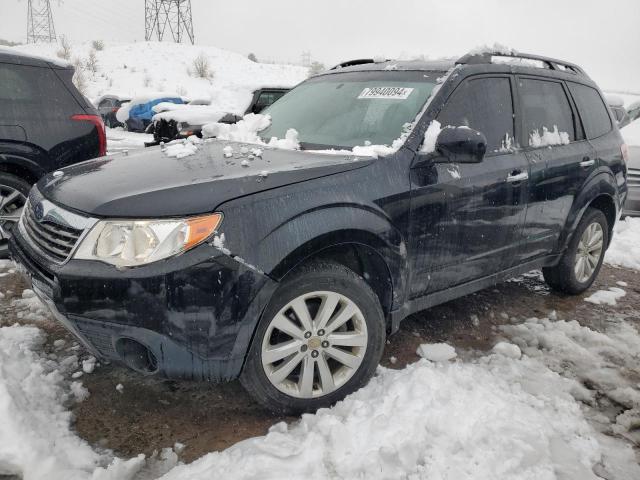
pixel 495 49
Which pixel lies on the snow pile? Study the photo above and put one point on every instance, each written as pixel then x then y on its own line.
pixel 139 68
pixel 608 297
pixel 624 250
pixel 246 131
pixel 429 420
pixel 35 438
pixel 182 148
pixel 191 114
pixel 495 49
pixel 631 133
pixel 600 365
pixel 29 307
pixel 548 138
pixel 436 352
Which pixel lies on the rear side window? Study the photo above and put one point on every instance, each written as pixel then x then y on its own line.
pixel 484 104
pixel 23 86
pixel 593 110
pixel 547 114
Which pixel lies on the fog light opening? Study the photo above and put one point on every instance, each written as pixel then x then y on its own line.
pixel 136 356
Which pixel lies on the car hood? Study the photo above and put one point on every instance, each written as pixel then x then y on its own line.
pixel 149 183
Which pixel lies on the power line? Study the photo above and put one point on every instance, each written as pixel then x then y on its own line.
pixel 172 14
pixel 40 26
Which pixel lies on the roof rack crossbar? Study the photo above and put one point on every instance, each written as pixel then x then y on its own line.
pixel 486 57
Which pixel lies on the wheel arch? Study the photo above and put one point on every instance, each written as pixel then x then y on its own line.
pixel 600 193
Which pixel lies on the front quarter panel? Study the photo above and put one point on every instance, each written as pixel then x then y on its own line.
pixel 275 230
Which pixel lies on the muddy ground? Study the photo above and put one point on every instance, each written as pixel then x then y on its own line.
pixel 150 413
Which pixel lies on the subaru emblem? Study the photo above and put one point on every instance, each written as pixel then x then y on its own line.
pixel 38 211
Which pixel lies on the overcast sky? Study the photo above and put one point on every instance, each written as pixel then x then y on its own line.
pixel 603 36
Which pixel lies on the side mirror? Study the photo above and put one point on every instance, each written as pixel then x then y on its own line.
pixel 461 145
pixel 456 145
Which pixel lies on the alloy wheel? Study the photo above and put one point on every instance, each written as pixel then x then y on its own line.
pixel 314 344
pixel 11 203
pixel 590 250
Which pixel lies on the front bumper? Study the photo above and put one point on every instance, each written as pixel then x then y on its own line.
pixel 195 313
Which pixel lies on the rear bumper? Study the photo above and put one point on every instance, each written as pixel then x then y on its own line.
pixel 632 204
pixel 194 313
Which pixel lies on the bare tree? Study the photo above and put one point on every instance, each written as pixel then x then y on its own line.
pixel 201 68
pixel 79 77
pixel 98 45
pixel 252 57
pixel 315 68
pixel 65 48
pixel 92 63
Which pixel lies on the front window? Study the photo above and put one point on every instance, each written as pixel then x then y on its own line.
pixel 345 110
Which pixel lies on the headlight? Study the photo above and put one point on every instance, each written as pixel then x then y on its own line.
pixel 129 243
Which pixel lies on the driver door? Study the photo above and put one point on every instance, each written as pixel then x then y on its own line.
pixel 466 218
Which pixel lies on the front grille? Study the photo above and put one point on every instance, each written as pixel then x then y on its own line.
pixel 633 177
pixel 54 240
pixel 96 336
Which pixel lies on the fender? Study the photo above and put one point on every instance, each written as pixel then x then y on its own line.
pixel 602 182
pixel 312 232
pixel 23 158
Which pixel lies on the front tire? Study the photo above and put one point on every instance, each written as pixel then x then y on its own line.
pixel 320 338
pixel 13 195
pixel 581 262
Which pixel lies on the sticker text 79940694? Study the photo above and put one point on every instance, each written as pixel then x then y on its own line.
pixel 390 93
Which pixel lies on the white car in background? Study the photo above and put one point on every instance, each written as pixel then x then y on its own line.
pixel 631 134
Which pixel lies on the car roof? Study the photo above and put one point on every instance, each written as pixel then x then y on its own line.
pixel 485 61
pixel 10 55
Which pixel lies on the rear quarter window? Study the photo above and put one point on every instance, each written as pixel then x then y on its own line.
pixel 27 87
pixel 592 108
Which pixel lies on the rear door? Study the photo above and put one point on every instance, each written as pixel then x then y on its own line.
pixel 561 160
pixel 466 218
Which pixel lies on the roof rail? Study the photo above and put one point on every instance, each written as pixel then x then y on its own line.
pixel 551 63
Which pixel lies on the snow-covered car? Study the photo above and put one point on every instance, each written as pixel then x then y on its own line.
pixel 634 111
pixel 136 115
pixel 616 104
pixel 286 249
pixel 631 134
pixel 172 122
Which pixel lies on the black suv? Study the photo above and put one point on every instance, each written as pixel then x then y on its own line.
pixel 414 183
pixel 45 124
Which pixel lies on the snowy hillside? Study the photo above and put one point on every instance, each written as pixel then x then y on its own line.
pixel 132 69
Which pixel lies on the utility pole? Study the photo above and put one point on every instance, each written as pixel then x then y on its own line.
pixel 172 14
pixel 40 26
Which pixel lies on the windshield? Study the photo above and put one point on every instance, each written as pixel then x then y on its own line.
pixel 345 110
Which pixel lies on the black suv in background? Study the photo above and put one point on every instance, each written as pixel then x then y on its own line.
pixel 108 106
pixel 414 183
pixel 45 124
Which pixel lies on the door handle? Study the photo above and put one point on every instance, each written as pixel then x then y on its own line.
pixel 587 162
pixel 517 177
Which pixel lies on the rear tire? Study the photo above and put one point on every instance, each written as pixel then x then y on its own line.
pixel 13 195
pixel 581 262
pixel 317 371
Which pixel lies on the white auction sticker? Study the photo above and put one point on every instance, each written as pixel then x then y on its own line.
pixel 392 93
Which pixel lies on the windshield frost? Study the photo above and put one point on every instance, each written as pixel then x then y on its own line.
pixel 351 109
